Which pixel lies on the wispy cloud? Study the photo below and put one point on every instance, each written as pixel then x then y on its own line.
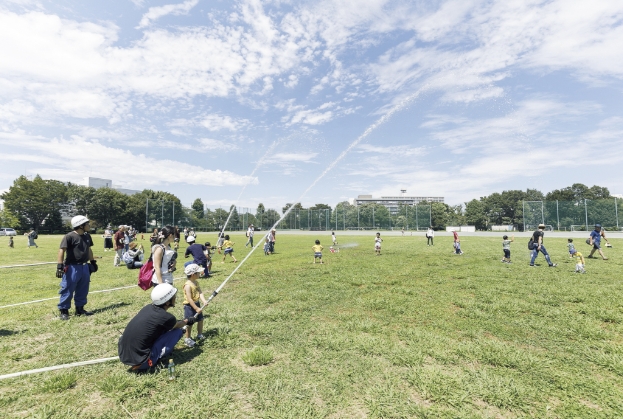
pixel 55 162
pixel 155 13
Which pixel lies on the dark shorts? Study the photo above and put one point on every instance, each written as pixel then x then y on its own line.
pixel 189 311
pixel 507 253
pixel 596 246
pixel 229 250
pixel 318 255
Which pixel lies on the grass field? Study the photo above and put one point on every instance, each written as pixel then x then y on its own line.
pixel 414 333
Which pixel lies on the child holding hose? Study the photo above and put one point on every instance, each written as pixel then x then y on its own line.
pixel 192 298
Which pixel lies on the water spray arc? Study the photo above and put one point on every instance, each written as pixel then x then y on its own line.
pixel 257 166
pixel 367 132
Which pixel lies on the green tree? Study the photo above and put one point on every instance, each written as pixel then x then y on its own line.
pixel 439 215
pixel 80 198
pixel 197 208
pixel 34 201
pixel 475 213
pixel 220 216
pixel 259 214
pixel 108 207
pixel 7 219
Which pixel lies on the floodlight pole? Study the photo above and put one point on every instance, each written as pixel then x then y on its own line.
pixel 586 214
pixel 557 217
pixel 616 212
pixel 146 212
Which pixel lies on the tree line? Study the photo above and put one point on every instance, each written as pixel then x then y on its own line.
pixel 41 204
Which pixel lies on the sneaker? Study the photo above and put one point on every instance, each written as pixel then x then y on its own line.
pixel 200 336
pixel 553 265
pixel 189 342
pixel 532 266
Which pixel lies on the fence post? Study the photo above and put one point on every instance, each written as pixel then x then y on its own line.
pixel 586 214
pixel 557 217
pixel 147 212
pixel 373 217
pixel 524 214
pixel 407 215
pixel 417 224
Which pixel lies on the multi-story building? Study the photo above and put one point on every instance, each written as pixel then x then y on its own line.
pixel 392 203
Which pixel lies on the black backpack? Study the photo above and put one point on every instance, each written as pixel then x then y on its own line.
pixel 35 235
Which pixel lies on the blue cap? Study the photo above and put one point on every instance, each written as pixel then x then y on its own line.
pixel 597 225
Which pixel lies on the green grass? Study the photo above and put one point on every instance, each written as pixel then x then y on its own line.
pixel 414 333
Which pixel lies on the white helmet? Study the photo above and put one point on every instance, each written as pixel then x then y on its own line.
pixel 78 220
pixel 163 293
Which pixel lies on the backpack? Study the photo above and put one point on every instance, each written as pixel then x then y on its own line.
pixel 127 258
pixel 146 273
pixel 531 245
pixel 35 235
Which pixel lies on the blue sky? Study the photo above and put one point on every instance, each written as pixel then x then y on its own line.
pixel 241 102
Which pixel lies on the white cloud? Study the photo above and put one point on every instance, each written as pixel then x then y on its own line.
pixel 64 159
pixel 218 122
pixel 293 157
pixel 155 13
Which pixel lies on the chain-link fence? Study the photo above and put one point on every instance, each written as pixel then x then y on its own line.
pixel 573 215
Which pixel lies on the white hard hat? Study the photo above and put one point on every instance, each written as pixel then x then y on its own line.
pixel 78 220
pixel 190 239
pixel 163 293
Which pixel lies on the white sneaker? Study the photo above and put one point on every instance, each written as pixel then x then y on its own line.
pixel 189 342
pixel 200 336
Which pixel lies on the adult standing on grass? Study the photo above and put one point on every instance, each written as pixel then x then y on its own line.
pixel 32 235
pixel 537 239
pixel 108 238
pixel 250 233
pixel 75 264
pixel 163 257
pixel 119 238
pixel 595 241
pixel 430 234
pixel 152 334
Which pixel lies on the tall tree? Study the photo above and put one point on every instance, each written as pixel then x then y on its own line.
pixel 80 198
pixel 197 206
pixel 32 201
pixel 108 207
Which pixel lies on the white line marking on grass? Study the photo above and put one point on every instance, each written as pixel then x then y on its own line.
pixel 58 367
pixel 29 264
pixel 90 292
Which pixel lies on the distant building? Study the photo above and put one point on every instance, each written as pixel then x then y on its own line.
pixel 96 182
pixel 392 203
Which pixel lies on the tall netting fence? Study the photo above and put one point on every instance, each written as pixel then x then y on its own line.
pixel 159 213
pixel 573 215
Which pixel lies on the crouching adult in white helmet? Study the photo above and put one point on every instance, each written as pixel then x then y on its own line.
pixel 152 333
pixel 75 265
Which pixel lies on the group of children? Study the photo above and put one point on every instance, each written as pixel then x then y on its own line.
pixel 573 253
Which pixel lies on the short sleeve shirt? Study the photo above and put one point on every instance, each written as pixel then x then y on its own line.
pixel 198 252
pixel 536 235
pixel 317 248
pixel 596 236
pixel 77 247
pixel 506 244
pixel 141 333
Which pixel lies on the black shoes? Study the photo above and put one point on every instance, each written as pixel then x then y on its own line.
pixel 80 311
pixel 64 314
